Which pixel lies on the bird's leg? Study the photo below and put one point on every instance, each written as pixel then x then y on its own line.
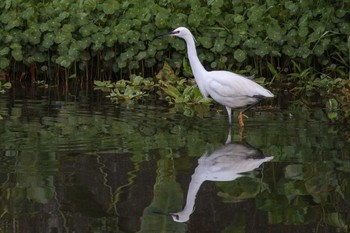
pixel 229 136
pixel 241 116
pixel 229 115
pixel 241 135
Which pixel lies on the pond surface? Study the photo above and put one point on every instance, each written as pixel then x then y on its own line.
pixel 78 164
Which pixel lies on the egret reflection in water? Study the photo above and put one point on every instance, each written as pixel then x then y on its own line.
pixel 227 163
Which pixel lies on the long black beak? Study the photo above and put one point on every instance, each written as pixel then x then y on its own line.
pixel 167 34
pixel 160 213
pixel 161 35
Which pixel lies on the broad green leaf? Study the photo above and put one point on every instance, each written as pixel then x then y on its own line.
pixel 274 33
pixel 272 68
pixel 4 51
pixel 171 90
pixel 275 217
pixel 4 62
pixel 240 55
pixel 219 45
pixel 186 67
pixel 17 54
pixel 238 18
pixel 336 219
pixel 294 172
pixel 295 216
pixel 291 6
pixel 303 31
pixel 206 42
pixel 110 7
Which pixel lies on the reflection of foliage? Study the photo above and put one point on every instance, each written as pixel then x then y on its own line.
pixel 35 176
pixel 243 189
pixel 307 183
pixel 167 197
pixel 31 178
pixel 4 86
pixel 309 180
pixel 69 127
pixel 305 193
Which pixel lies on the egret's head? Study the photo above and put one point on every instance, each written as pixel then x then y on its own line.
pixel 179 217
pixel 181 32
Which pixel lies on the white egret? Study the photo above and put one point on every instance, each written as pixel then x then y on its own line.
pixel 227 88
pixel 226 163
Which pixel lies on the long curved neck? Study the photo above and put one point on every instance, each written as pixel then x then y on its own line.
pixel 193 189
pixel 196 66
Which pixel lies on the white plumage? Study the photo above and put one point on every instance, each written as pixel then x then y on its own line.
pixel 227 88
pixel 225 164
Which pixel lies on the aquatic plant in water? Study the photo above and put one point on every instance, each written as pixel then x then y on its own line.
pixel 126 90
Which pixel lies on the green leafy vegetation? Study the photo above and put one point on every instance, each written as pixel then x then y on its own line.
pixel 176 91
pixel 294 46
pixel 126 90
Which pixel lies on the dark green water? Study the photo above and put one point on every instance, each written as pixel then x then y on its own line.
pixel 77 164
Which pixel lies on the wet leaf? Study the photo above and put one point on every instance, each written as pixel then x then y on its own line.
pixel 294 171
pixel 141 55
pixel 253 43
pixel 238 18
pixel 344 166
pixel 17 54
pixel 240 55
pixel 263 50
pixel 274 33
pixel 110 7
pixel 28 13
pixel 219 45
pixel 63 15
pixel 303 31
pixel 335 219
pixel 206 42
pixel 186 67
pixel 256 13
pixel 275 217
pixel 293 189
pixel 162 18
pixel 194 20
pixel 340 13
pixel 4 51
pixel 64 61
pixel 295 216
pixel 171 91
pixel 332 104
pixel 4 62
pixel 291 6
